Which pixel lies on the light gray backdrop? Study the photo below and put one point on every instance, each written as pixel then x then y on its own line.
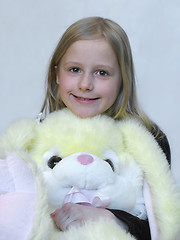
pixel 30 30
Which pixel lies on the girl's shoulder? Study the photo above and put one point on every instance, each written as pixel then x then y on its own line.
pixel 163 142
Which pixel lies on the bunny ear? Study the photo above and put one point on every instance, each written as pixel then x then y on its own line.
pixel 161 192
pixel 154 229
pixel 19 136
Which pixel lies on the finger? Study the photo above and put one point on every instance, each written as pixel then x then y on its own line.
pixel 66 216
pixel 53 214
pixel 68 221
pixel 75 223
pixel 62 217
pixel 60 212
pixel 64 225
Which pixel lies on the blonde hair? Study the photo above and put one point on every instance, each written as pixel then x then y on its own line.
pixel 126 104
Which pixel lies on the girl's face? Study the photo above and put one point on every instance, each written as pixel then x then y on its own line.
pixel 89 77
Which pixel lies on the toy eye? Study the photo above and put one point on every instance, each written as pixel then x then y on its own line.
pixel 53 161
pixel 110 163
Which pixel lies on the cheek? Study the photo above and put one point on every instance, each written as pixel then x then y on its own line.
pixel 65 84
pixel 63 89
pixel 111 91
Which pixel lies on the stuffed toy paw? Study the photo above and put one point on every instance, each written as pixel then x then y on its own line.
pixel 20 190
pixel 17 198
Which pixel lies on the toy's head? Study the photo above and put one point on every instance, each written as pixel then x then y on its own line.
pixel 84 162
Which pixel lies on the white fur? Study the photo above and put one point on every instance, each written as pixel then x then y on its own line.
pixel 98 176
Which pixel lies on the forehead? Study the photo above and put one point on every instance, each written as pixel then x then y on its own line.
pixel 96 50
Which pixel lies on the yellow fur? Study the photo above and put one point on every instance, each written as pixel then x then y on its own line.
pixel 19 135
pixel 103 229
pixel 165 193
pixel 71 134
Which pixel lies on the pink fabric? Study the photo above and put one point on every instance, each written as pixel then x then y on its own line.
pixel 17 199
pixel 86 197
pixel 150 212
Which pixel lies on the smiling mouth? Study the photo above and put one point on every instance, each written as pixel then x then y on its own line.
pixel 85 99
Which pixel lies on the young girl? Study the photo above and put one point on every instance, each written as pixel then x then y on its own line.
pixel 91 72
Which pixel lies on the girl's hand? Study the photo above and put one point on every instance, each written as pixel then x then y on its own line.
pixel 74 214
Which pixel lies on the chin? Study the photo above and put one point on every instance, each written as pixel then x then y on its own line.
pixel 87 114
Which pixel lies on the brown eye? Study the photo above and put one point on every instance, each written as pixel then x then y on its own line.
pixel 110 163
pixel 75 70
pixel 102 73
pixel 53 161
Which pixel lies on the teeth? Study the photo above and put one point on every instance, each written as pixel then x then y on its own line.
pixel 85 99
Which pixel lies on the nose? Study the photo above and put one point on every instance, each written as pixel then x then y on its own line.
pixel 86 82
pixel 85 159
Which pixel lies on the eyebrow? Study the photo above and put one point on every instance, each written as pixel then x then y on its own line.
pixel 105 66
pixel 71 63
pixel 99 66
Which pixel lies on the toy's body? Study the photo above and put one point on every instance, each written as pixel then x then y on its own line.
pixel 100 162
pixel 87 179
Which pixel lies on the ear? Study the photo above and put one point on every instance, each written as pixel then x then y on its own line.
pixel 19 136
pixel 57 75
pixel 154 229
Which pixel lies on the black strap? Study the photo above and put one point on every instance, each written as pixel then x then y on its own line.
pixel 137 227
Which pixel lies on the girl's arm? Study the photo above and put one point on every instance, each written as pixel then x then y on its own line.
pixel 137 227
pixel 164 144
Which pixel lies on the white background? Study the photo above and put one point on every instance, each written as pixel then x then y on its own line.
pixel 30 30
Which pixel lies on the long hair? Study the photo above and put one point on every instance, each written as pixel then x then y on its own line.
pixel 126 104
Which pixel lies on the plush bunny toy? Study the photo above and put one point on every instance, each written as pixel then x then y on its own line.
pixel 84 178
pixel 95 161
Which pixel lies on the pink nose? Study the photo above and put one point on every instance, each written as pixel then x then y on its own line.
pixel 85 159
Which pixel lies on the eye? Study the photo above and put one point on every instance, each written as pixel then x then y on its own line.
pixel 53 161
pixel 102 73
pixel 110 163
pixel 75 70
